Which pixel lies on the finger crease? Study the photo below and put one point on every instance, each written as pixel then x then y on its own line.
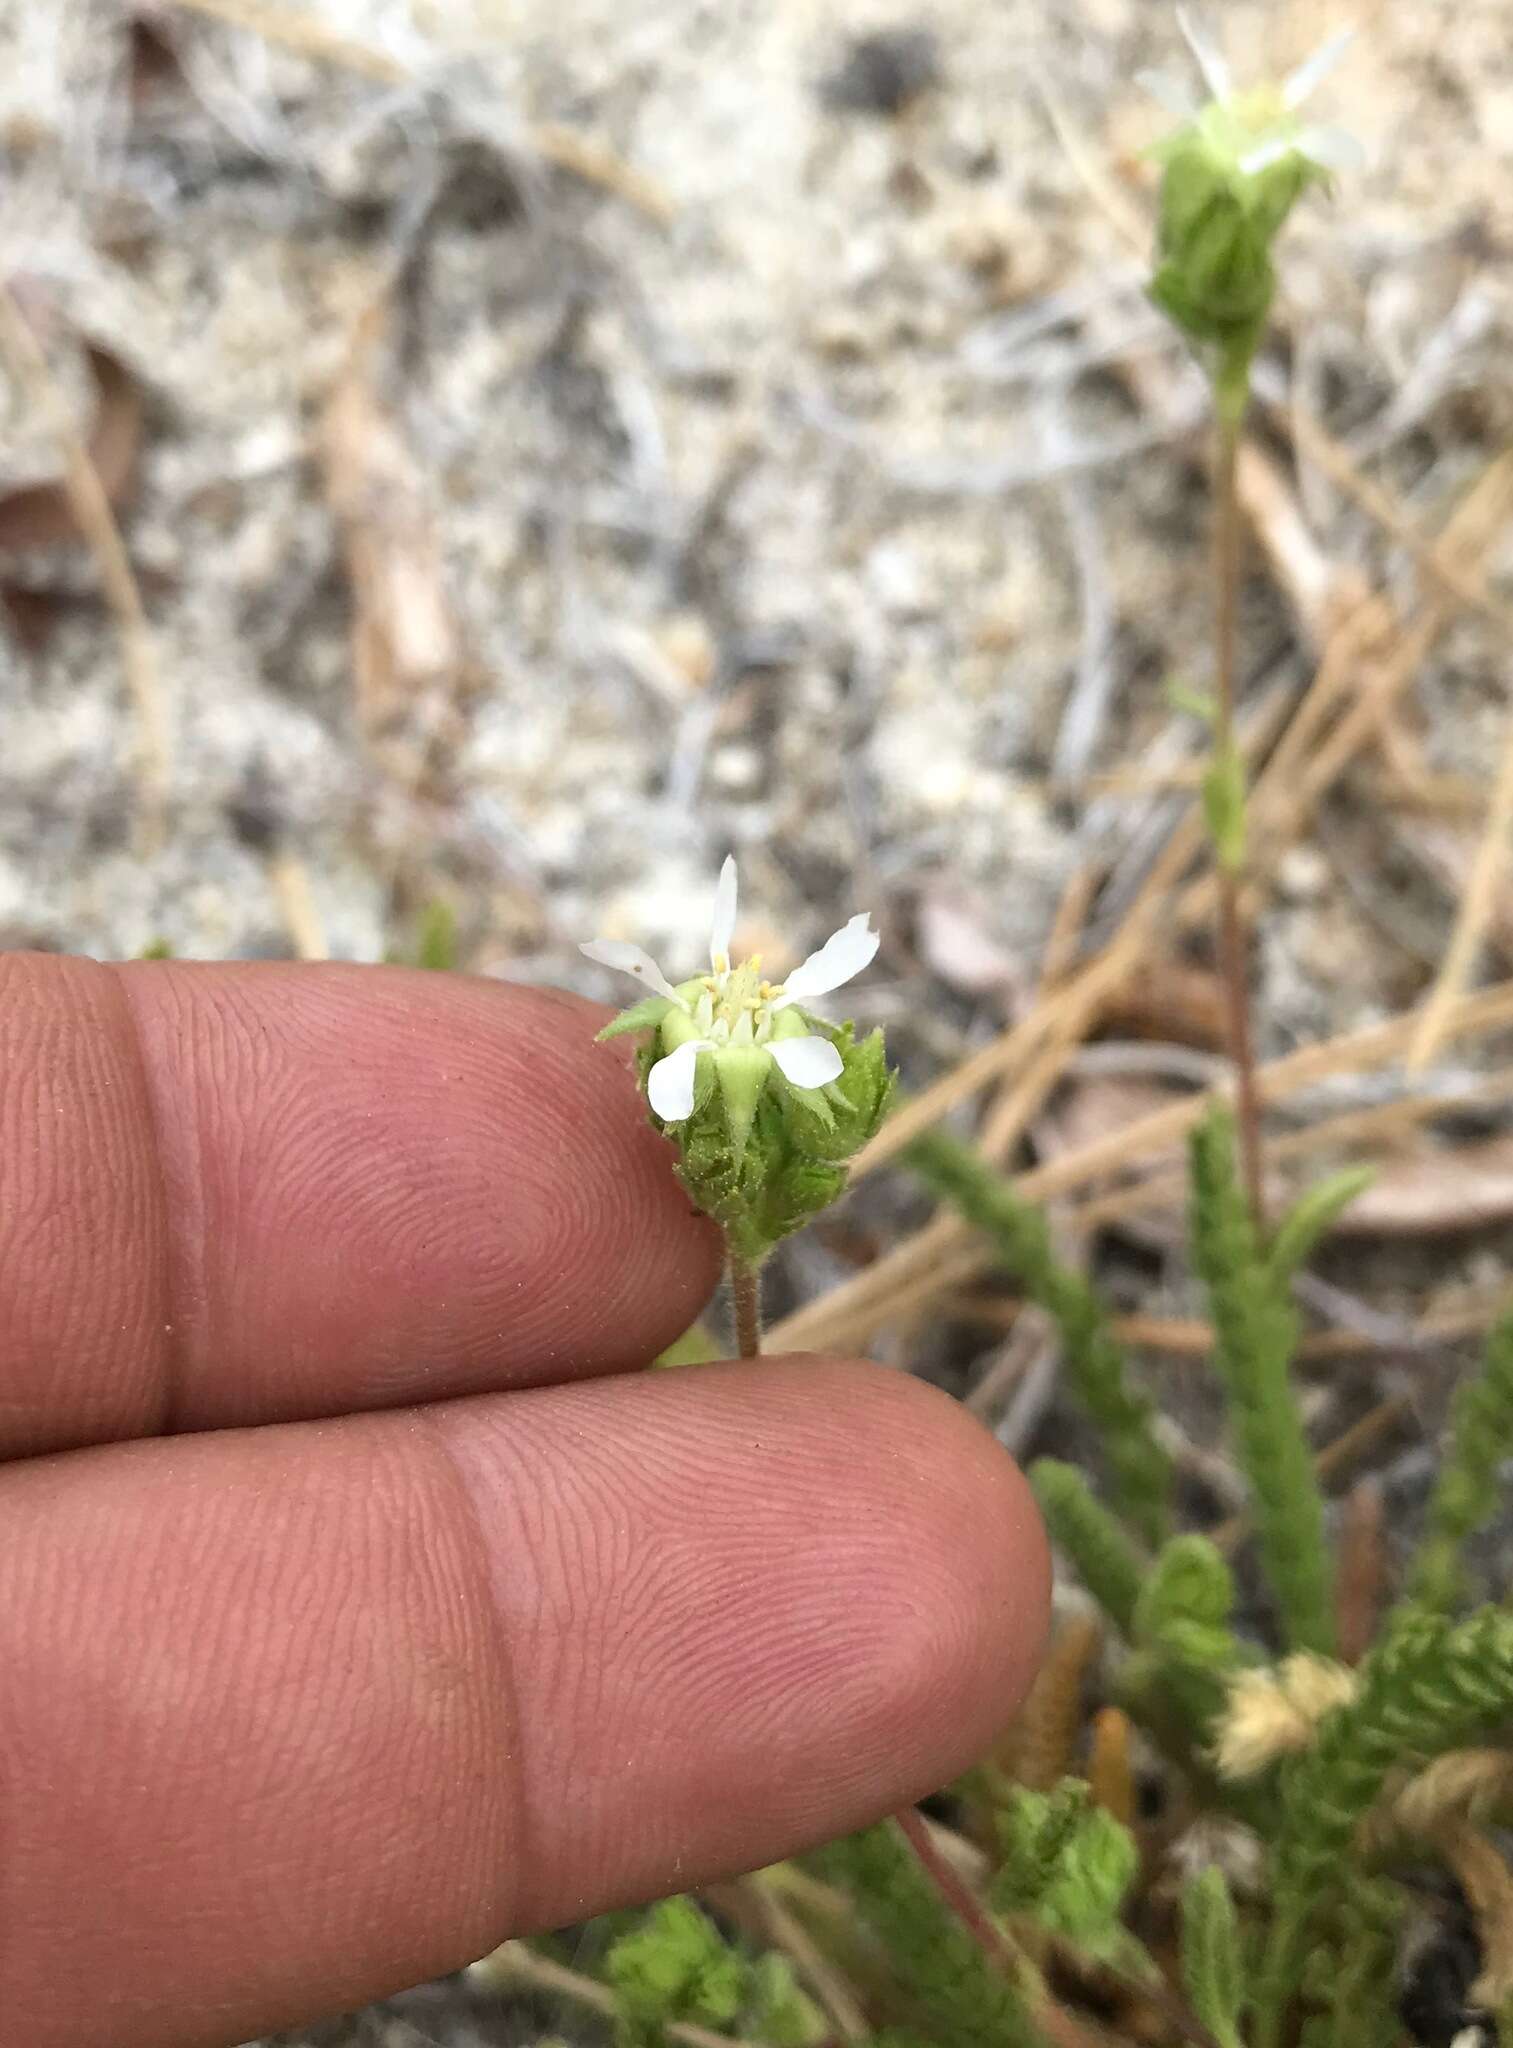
pixel 505 1691
pixel 172 1354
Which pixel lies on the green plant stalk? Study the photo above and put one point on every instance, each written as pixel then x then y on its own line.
pixel 937 1952
pixel 1231 389
pixel 1431 1686
pixel 746 1303
pixel 1255 1330
pixel 1095 1361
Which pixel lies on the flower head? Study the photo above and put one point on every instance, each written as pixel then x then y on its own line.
pixel 764 1102
pixel 1234 168
pixel 1258 127
pixel 733 1010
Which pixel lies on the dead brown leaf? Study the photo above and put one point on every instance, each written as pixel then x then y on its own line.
pixel 1170 1003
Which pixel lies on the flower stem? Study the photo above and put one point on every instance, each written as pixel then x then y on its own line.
pixel 1233 950
pixel 746 1300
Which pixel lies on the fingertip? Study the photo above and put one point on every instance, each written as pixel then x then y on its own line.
pixel 962 1570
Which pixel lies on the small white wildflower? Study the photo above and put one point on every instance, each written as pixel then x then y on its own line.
pixel 1258 128
pixel 733 1011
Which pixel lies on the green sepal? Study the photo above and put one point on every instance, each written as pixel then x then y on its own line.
pixel 742 1073
pixel 759 1155
pixel 647 1015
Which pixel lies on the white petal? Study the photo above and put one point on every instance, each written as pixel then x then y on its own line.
pixel 1206 50
pixel 844 954
pixel 1308 77
pixel 1334 148
pixel 1170 92
pixel 669 1085
pixel 722 930
pixel 629 960
pixel 1267 153
pixel 806 1062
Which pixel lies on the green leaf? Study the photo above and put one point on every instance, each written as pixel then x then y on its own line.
pixel 1311 1216
pixel 1212 1965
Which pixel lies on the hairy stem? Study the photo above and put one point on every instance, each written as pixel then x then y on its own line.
pixel 1233 963
pixel 746 1300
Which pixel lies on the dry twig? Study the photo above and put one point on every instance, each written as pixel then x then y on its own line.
pixel 26 362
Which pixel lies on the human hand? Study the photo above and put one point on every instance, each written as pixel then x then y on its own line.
pixel 317 1680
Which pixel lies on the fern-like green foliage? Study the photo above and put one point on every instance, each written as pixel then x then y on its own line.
pixel 1353 1976
pixel 1430 1686
pixel 675 1965
pixel 1181 1624
pixel 1466 1493
pixel 1108 1564
pixel 1068 1866
pixel 1256 1334
pixel 969 2003
pixel 1096 1367
pixel 1213 1969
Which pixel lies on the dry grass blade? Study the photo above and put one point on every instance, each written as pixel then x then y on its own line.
pixel 1404 1203
pixel 1488 873
pixel 938 1258
pixel 289 879
pixel 568 148
pixel 89 498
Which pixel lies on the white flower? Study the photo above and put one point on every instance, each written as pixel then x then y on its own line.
pixel 1258 128
pixel 732 1010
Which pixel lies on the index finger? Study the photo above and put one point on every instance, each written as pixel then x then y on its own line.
pixel 251 1193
